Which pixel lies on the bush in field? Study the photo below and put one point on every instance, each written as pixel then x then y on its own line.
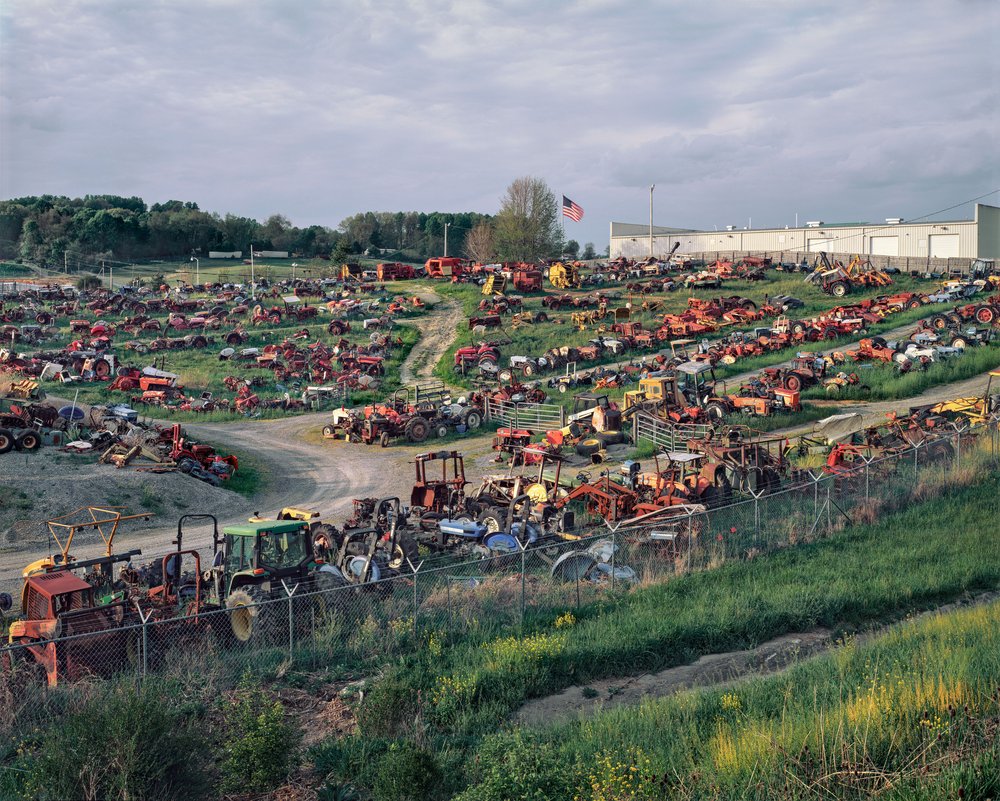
pixel 88 282
pixel 519 765
pixel 259 743
pixel 407 772
pixel 126 744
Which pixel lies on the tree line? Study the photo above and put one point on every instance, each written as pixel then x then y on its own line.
pixel 54 231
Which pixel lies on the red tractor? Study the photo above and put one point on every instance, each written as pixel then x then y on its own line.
pixel 485 356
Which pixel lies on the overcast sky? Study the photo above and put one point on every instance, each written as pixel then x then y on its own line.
pixel 840 111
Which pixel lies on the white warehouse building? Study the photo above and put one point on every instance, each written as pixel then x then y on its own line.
pixel 917 241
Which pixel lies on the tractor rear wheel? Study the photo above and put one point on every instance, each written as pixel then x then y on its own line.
pixel 985 315
pixel 417 429
pixel 6 440
pixel 251 617
pixel 793 382
pixel 473 419
pixel 716 411
pixel 493 518
pixel 838 289
pixel 588 447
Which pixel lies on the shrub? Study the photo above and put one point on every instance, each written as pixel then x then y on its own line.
pixel 407 773
pixel 260 744
pixel 519 765
pixel 125 744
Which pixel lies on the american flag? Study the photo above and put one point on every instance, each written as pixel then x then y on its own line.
pixel 571 210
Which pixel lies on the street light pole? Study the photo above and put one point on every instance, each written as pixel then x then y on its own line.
pixel 197 270
pixel 253 280
pixel 651 188
pixel 446 227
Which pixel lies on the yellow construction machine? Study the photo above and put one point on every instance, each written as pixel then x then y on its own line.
pixel 564 276
pixel 977 410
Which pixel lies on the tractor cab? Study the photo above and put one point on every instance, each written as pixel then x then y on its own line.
pixel 695 382
pixel 263 552
pixel 586 403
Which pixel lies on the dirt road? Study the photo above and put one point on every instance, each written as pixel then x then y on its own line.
pixel 437 332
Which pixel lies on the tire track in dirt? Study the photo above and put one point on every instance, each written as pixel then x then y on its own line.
pixel 437 332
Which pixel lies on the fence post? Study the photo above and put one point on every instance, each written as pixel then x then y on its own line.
pixel 690 539
pixel 144 617
pixel 416 603
pixel 291 619
pixel 614 547
pixel 448 591
pixel 524 552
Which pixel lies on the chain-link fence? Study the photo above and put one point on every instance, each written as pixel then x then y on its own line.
pixel 352 629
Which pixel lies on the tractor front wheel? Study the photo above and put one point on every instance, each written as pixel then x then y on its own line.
pixel 251 616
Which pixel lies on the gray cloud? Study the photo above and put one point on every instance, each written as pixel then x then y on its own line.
pixel 321 109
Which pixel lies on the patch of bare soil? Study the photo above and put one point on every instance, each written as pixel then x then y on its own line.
pixel 38 486
pixel 319 715
pixel 710 670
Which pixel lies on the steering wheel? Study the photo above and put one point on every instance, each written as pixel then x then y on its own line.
pixel 583 477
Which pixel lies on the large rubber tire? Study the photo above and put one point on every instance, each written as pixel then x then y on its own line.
pixel 610 437
pixel 417 429
pixel 329 431
pixel 985 315
pixel 251 618
pixel 716 411
pixel 6 440
pixel 29 440
pixel 529 369
pixel 494 519
pixel 383 439
pixel 959 342
pixel 793 382
pixel 588 447
pixel 406 548
pixel 839 289
pixel 473 419
pixel 939 321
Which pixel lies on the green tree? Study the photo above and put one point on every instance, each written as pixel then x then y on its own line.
pixel 571 248
pixel 589 252
pixel 527 226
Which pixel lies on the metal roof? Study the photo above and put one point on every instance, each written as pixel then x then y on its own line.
pixel 253 529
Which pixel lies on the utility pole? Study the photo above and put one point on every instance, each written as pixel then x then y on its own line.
pixel 253 282
pixel 651 188
pixel 446 226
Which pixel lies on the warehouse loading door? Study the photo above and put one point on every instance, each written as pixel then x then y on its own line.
pixel 944 246
pixel 884 246
pixel 816 245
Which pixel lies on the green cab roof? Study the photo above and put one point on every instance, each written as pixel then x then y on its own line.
pixel 253 529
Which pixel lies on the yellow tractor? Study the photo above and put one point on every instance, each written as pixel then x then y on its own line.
pixel 978 410
pixel 564 276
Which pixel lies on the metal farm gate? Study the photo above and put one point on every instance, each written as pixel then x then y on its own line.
pixel 526 415
pixel 668 436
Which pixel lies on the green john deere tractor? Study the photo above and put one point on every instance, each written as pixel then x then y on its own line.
pixel 256 564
